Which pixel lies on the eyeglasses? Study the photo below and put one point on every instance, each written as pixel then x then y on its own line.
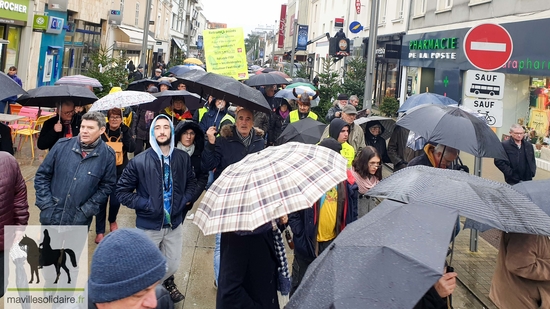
pixel 69 113
pixel 115 117
pixel 189 133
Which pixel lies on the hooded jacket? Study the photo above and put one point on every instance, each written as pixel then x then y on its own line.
pixel 378 142
pixel 213 116
pixel 356 137
pixel 336 125
pixel 304 223
pixel 13 194
pixel 276 123
pixel 144 174
pixel 200 174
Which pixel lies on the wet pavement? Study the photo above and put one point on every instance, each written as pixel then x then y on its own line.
pixel 195 277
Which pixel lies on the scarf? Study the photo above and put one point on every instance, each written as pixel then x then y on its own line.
pixel 364 184
pixel 246 140
pixel 190 150
pixel 284 275
pixel 179 114
pixel 88 148
pixel 284 114
pixel 68 128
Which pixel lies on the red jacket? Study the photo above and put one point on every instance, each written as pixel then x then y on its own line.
pixel 13 194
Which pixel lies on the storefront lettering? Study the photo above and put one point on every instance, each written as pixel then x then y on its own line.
pixel 527 64
pixel 6 5
pixel 443 43
pixel 432 56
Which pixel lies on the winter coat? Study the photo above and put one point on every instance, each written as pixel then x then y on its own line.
pixel 378 142
pixel 16 79
pixel 128 144
pixel 141 128
pixel 248 272
pixel 13 194
pixel 69 188
pixel 522 274
pixel 356 137
pixel 332 111
pixel 213 116
pixel 511 168
pixel 304 223
pixel 48 137
pixel 398 152
pixel 6 144
pixel 200 174
pixel 261 120
pixel 145 174
pixel 276 125
pixel 229 149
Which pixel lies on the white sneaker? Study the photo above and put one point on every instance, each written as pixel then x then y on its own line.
pixel 190 217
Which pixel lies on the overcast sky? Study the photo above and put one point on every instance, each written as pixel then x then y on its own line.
pixel 248 14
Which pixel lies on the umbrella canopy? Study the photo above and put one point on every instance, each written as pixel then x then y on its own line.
pixel 387 122
pixel 142 84
pixel 265 70
pixel 287 94
pixel 281 74
pixel 254 68
pixel 301 80
pixel 121 99
pixel 425 98
pixel 265 80
pixel 307 131
pixel 267 185
pixel 294 85
pixel 536 191
pixel 9 87
pixel 194 61
pixel 51 96
pixel 164 98
pixel 227 88
pixel 455 128
pixel 78 80
pixel 181 69
pixel 488 202
pixel 387 259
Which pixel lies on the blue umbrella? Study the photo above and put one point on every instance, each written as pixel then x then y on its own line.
pixel 287 94
pixel 425 98
pixel 180 69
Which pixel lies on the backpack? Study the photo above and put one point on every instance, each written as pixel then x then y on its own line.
pixel 117 147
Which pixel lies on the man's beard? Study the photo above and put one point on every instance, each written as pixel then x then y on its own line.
pixel 165 143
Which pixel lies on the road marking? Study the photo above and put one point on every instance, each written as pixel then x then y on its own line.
pixel 487 46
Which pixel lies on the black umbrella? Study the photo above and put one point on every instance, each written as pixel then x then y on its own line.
pixel 387 122
pixel 454 127
pixel 142 84
pixel 488 202
pixel 228 89
pixel 265 80
pixel 51 96
pixel 301 80
pixel 307 131
pixel 9 87
pixel 387 259
pixel 164 98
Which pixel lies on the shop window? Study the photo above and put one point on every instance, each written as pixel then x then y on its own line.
pixel 400 7
pixel 419 8
pixel 539 104
pixel 444 5
pixel 382 12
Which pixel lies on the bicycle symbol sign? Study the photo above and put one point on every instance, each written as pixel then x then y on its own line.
pixel 491 110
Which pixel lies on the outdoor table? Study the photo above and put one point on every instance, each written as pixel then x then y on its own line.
pixel 7 118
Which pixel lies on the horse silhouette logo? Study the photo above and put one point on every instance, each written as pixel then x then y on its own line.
pixel 44 255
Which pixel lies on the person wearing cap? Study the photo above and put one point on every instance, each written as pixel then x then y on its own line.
pixel 303 111
pixel 356 136
pixel 336 110
pixel 373 138
pixel 138 75
pixel 157 75
pixel 315 228
pixel 164 85
pixel 132 281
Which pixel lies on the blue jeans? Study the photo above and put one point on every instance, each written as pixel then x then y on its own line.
pixel 217 258
pixel 210 180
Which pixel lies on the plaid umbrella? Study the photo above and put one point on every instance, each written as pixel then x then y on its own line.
pixel 267 185
pixel 78 80
pixel 122 99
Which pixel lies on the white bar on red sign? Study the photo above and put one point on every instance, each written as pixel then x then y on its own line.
pixel 487 46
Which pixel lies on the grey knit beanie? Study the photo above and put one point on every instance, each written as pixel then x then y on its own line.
pixel 124 263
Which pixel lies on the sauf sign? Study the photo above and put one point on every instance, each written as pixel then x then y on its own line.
pixel 483 93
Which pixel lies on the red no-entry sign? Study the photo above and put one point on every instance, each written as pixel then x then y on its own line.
pixel 488 46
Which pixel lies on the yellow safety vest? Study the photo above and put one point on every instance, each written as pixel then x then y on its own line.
pixel 226 117
pixel 294 116
pixel 202 111
pixel 348 152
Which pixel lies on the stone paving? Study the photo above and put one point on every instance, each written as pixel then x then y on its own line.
pixel 195 276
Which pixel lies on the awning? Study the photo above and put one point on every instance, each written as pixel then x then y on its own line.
pixel 180 43
pixel 135 35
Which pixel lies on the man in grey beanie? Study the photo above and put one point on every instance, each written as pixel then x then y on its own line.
pixel 126 271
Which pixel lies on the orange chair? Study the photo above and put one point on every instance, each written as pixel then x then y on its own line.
pixel 31 132
pixel 15 108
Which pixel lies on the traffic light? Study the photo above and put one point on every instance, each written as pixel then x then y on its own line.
pixel 339 47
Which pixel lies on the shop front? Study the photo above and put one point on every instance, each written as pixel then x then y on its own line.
pixel 82 40
pixel 435 62
pixel 13 17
